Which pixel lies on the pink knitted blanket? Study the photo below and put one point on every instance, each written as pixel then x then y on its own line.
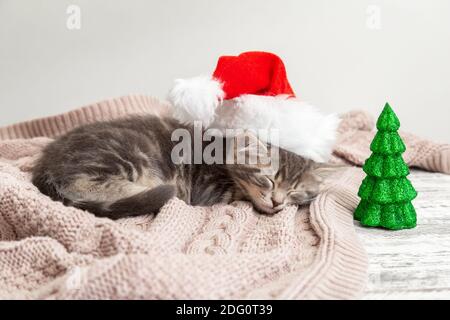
pixel 48 250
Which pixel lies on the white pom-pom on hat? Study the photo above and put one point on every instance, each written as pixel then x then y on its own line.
pixel 196 99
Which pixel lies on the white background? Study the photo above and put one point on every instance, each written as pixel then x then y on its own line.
pixel 334 57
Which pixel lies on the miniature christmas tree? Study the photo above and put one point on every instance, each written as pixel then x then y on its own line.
pixel 386 193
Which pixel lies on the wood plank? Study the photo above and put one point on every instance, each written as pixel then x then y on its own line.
pixel 415 263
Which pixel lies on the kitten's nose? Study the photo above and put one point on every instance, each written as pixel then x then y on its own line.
pixel 277 202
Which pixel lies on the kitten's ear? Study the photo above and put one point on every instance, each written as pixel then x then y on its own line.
pixel 251 150
pixel 248 141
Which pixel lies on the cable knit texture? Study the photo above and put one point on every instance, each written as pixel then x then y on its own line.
pixel 49 251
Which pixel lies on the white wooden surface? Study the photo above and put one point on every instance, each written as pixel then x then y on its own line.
pixel 415 263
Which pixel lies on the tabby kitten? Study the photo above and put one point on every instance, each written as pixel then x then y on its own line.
pixel 124 168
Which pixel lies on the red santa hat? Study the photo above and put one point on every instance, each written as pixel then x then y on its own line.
pixel 251 91
pixel 259 73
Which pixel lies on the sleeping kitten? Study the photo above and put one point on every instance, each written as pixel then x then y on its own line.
pixel 124 168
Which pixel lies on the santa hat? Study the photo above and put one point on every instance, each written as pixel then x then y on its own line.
pixel 251 91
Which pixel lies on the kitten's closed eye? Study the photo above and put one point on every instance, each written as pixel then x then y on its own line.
pixel 266 183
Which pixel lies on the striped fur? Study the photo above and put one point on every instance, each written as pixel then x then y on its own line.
pixel 123 167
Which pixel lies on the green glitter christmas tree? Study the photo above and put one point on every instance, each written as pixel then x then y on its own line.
pixel 386 193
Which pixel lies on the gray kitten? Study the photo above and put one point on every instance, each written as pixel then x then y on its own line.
pixel 124 168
